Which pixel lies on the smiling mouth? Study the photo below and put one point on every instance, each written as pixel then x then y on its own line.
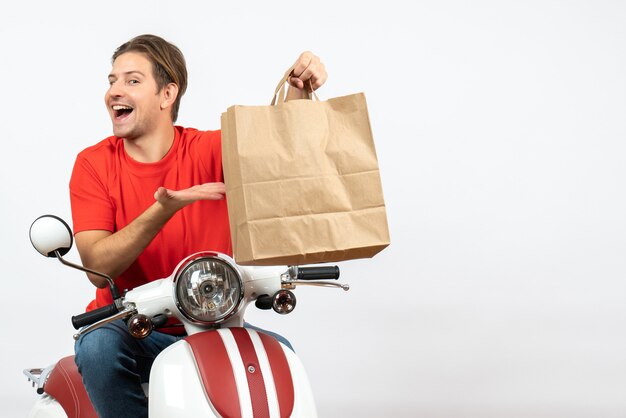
pixel 121 111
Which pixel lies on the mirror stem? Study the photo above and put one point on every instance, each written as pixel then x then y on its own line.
pixel 114 291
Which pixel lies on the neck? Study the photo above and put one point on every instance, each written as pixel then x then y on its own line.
pixel 150 148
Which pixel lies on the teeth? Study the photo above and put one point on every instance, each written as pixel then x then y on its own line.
pixel 121 107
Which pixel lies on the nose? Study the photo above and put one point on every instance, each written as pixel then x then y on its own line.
pixel 115 90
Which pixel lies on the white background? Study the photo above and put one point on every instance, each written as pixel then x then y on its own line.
pixel 500 133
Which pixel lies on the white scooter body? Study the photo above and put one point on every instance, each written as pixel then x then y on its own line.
pixel 230 371
pixel 177 390
pixel 176 386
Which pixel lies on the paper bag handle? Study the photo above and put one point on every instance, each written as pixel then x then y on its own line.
pixel 280 89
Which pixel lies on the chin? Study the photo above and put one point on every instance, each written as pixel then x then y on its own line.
pixel 123 133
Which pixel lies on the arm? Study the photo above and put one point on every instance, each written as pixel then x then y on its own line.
pixel 308 72
pixel 113 253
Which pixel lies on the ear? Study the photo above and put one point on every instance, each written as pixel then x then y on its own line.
pixel 169 95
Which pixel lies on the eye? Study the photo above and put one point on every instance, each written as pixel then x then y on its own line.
pixel 133 82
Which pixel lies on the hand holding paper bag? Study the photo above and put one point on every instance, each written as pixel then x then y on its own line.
pixel 308 72
pixel 302 181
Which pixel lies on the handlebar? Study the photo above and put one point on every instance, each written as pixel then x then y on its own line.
pixel 94 316
pixel 318 273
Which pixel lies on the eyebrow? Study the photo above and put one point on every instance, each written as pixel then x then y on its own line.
pixel 127 73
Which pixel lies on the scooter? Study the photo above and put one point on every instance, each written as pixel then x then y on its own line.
pixel 220 369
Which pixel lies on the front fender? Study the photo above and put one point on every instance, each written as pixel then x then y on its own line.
pixel 231 372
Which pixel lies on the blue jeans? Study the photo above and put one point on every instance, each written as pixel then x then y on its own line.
pixel 113 365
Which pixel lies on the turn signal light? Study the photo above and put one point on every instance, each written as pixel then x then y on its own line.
pixel 140 326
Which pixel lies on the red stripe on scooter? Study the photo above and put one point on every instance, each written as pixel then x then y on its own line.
pixel 216 372
pixel 281 372
pixel 256 383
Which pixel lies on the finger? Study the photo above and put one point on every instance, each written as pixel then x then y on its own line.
pixel 316 83
pixel 314 80
pixel 307 73
pixel 301 64
pixel 212 191
pixel 160 194
pixel 216 195
pixel 217 187
pixel 296 82
pixel 314 73
pixel 212 196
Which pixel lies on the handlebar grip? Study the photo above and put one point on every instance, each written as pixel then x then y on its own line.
pixel 318 273
pixel 94 316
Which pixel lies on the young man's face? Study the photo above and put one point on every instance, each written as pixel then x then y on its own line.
pixel 133 98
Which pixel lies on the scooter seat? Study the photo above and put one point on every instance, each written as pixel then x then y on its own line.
pixel 66 385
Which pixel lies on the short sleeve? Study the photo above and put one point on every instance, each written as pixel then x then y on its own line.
pixel 210 154
pixel 92 208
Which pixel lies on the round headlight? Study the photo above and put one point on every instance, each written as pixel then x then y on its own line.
pixel 208 289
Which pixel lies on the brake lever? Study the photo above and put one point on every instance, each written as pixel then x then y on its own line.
pixel 291 284
pixel 128 311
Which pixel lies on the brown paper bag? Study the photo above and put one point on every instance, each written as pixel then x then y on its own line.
pixel 302 181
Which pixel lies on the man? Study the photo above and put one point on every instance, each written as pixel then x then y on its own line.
pixel 142 200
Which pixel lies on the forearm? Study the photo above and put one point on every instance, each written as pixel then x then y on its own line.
pixel 114 253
